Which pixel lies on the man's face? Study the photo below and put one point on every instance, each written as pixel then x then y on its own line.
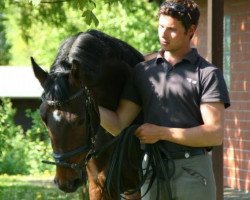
pixel 172 34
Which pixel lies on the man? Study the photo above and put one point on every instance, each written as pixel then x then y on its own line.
pixel 182 97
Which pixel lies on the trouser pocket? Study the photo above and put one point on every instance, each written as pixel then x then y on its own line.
pixel 194 179
pixel 196 175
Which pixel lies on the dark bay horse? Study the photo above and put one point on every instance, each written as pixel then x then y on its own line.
pixel 90 69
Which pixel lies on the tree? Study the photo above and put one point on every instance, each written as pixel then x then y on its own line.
pixel 53 9
pixel 43 26
pixel 4 45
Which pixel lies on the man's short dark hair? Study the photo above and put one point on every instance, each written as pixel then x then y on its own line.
pixel 186 11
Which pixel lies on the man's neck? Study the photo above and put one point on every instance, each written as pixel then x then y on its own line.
pixel 173 57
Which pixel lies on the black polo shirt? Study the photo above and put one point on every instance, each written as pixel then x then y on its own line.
pixel 171 95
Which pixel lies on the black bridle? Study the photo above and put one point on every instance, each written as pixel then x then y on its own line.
pixel 60 158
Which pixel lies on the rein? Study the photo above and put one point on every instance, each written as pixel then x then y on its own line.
pixel 157 168
pixel 60 157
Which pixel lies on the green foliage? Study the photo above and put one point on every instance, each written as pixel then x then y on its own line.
pixel 11 141
pixel 38 131
pixel 39 147
pixel 7 126
pixel 86 7
pixel 4 44
pixel 135 24
pixel 39 30
pixel 90 17
pixel 14 158
pixel 22 153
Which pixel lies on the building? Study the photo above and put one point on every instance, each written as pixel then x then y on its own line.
pixel 20 85
pixel 236 69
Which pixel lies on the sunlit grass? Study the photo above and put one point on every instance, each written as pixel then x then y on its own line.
pixel 34 188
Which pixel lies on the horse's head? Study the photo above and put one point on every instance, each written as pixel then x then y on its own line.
pixel 71 117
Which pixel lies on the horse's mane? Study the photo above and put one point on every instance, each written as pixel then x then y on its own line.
pixel 89 49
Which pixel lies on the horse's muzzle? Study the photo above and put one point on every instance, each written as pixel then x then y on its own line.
pixel 68 186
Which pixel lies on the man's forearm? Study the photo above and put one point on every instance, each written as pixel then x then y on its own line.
pixel 200 136
pixel 115 121
pixel 209 134
pixel 109 121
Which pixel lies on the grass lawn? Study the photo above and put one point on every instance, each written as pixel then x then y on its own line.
pixel 34 188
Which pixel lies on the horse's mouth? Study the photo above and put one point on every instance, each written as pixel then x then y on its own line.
pixel 68 190
pixel 70 187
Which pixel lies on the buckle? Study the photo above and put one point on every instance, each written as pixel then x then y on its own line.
pixel 187 154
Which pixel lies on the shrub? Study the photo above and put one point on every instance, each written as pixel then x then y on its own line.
pixel 39 144
pixel 7 125
pixel 11 141
pixel 22 153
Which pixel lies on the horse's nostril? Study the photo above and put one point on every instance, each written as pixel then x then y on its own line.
pixel 77 183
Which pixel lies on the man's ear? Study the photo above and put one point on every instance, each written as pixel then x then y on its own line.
pixel 192 30
pixel 40 74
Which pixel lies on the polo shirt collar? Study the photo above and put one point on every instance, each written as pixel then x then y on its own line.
pixel 159 57
pixel 191 56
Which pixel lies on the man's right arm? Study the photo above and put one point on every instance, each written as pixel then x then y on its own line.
pixel 115 121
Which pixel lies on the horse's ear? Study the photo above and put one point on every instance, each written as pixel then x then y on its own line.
pixel 76 73
pixel 40 74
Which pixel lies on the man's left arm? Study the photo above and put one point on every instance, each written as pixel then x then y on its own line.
pixel 208 134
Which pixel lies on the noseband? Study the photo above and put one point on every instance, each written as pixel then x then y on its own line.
pixel 59 158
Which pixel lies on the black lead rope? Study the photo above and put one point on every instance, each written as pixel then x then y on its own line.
pixel 163 168
pixel 125 140
pixel 160 167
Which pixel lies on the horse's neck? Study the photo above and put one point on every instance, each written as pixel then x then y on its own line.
pixel 103 97
pixel 103 136
pixel 109 86
pixel 102 144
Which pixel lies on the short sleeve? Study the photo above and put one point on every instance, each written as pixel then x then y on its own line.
pixel 214 88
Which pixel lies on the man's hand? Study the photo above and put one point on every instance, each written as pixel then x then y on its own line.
pixel 148 133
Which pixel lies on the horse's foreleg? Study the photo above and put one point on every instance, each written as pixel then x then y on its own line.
pixel 95 191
